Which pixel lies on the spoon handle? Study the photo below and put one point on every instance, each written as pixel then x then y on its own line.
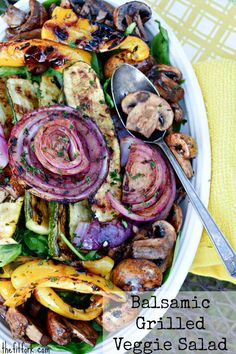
pixel 224 249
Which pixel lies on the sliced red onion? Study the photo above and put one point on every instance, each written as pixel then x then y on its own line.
pixel 160 210
pixel 40 148
pixel 101 235
pixel 145 174
pixel 4 157
pixel 125 144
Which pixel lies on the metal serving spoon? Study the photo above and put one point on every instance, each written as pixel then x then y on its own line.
pixel 127 79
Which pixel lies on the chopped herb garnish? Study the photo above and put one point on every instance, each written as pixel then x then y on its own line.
pixel 91 82
pixel 26 131
pixel 102 102
pixel 138 175
pixel 53 279
pixel 32 147
pixel 65 114
pixel 181 82
pixel 130 28
pixel 124 223
pixel 153 164
pixel 72 43
pixel 87 179
pixel 115 176
pixel 71 126
pixel 60 153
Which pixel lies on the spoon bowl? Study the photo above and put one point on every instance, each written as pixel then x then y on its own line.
pixel 128 79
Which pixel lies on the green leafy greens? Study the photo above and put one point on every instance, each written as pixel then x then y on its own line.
pixel 108 97
pixel 81 255
pixel 97 66
pixel 160 46
pixel 8 253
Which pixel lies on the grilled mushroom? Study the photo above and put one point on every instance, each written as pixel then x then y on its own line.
pixel 38 15
pixel 98 10
pixel 175 217
pixel 137 275
pixel 147 112
pixel 159 243
pixel 170 71
pixel 117 317
pixel 178 112
pixel 14 17
pixel 184 148
pixel 168 87
pixel 134 11
pixel 82 330
pixel 22 327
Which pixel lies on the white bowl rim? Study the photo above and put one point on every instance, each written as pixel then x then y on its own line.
pixel 189 242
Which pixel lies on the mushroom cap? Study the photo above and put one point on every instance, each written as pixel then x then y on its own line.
pixel 137 275
pixel 130 9
pixel 147 112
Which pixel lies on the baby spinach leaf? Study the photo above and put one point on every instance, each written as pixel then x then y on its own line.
pixel 97 66
pixel 177 125
pixel 160 46
pixel 8 253
pixel 35 244
pixel 108 97
pixel 48 3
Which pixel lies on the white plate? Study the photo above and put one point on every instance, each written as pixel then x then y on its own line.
pixel 191 232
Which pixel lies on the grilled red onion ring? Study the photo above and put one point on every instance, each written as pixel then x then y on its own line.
pixel 59 154
pixel 149 185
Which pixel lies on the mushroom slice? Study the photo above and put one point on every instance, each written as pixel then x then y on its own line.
pixel 38 15
pixel 132 99
pixel 97 10
pixel 178 112
pixel 117 317
pixel 82 330
pixel 58 330
pixel 14 17
pixel 184 148
pixel 22 327
pixel 159 245
pixel 134 11
pixel 175 217
pixel 169 89
pixel 137 275
pixel 170 71
pixel 147 112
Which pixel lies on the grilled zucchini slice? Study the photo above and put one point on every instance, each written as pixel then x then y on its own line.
pixel 78 212
pixel 48 92
pixel 57 222
pixel 36 214
pixel 5 108
pixel 9 216
pixel 23 96
pixel 84 92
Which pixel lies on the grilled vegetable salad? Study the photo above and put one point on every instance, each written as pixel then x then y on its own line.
pixel 86 211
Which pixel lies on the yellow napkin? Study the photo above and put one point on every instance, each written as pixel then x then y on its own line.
pixel 218 83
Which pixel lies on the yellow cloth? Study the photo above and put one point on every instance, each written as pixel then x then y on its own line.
pixel 217 79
